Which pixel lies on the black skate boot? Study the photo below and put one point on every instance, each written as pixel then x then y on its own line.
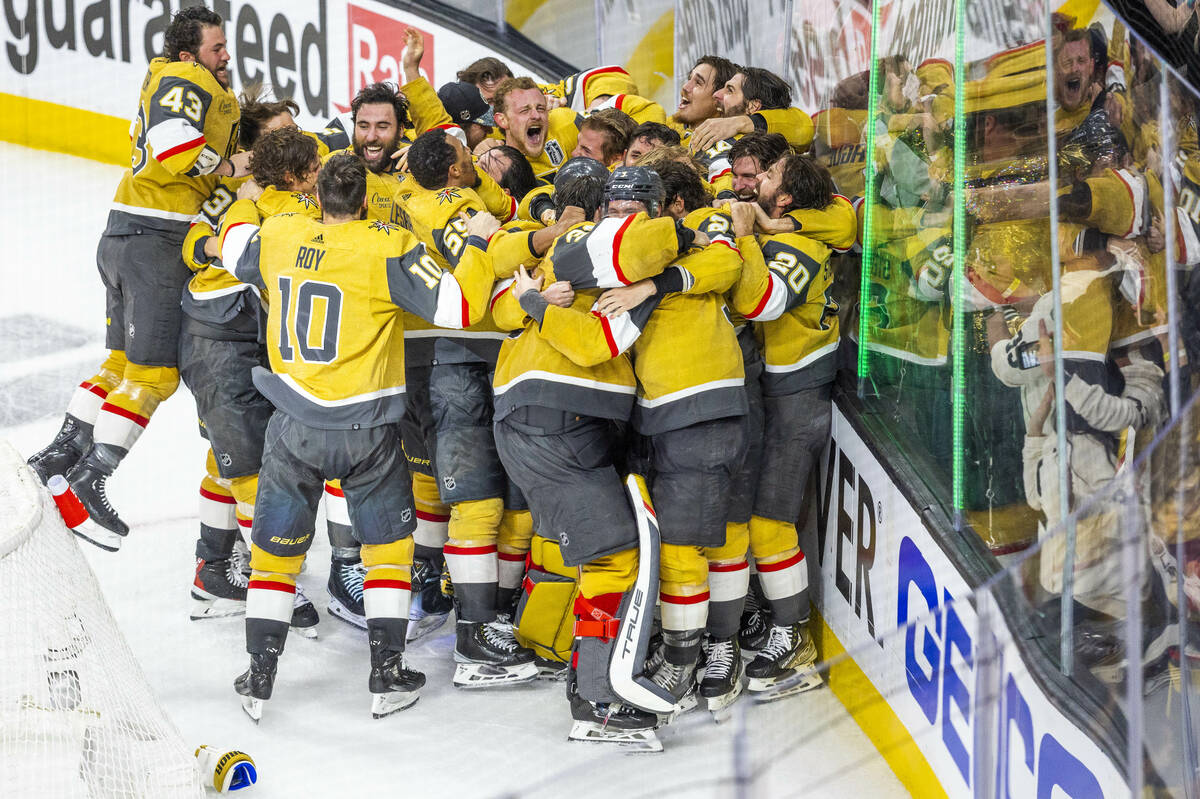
pixel 73 439
pixel 256 683
pixel 756 624
pixel 783 666
pixel 722 682
pixel 677 672
pixel 430 607
pixel 219 589
pixel 487 655
pixel 346 591
pixel 87 481
pixel 394 686
pixel 304 615
pixel 612 722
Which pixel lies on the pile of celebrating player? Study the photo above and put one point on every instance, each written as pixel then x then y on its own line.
pixel 465 317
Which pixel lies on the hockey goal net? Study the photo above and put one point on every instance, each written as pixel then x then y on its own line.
pixel 77 717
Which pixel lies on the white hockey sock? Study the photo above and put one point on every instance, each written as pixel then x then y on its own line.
pixel 118 427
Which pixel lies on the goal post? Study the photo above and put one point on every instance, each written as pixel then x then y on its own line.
pixel 77 716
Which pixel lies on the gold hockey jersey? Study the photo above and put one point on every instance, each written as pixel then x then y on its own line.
pixel 214 297
pixel 185 124
pixel 786 289
pixel 334 295
pixel 436 222
pixel 573 360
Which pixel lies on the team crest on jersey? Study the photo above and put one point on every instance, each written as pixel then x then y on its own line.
pixel 307 200
pixel 448 195
pixel 384 227
pixel 554 151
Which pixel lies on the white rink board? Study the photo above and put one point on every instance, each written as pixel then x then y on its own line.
pixel 880 570
pixel 320 52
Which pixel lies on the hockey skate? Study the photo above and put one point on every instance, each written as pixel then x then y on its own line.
pixel 394 686
pixel 722 682
pixel 68 446
pixel 755 626
pixel 256 683
pixel 346 591
pixel 784 666
pixel 613 723
pixel 87 479
pixel 487 655
pixel 430 607
pixel 550 670
pixel 304 615
pixel 219 589
pixel 680 680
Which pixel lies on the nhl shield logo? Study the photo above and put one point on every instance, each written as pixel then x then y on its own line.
pixel 449 483
pixel 555 151
pixel 406 516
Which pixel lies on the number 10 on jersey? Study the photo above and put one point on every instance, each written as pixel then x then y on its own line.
pixel 309 307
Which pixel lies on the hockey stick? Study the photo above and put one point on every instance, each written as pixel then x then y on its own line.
pixel 637 610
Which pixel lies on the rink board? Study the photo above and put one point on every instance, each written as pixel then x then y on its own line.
pixel 924 679
pixel 71 85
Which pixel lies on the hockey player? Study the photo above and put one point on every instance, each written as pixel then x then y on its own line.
pixel 545 137
pixel 561 393
pixel 646 137
pixel 690 421
pixel 219 346
pixel 339 391
pixel 183 139
pixel 470 478
pixel 748 92
pixel 784 289
pixel 469 110
pixel 604 136
pixel 699 121
pixel 749 157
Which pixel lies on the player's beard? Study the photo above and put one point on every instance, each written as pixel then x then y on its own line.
pixel 766 203
pixel 385 157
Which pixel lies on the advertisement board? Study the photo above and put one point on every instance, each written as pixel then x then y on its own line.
pixel 79 65
pixel 959 687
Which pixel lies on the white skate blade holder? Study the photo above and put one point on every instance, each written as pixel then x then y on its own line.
pixel 719 705
pixel 306 632
pixel 768 690
pixel 76 517
pixel 484 675
pixel 631 741
pixel 216 608
pixel 339 611
pixel 392 702
pixel 253 708
pixel 419 628
pixel 226 770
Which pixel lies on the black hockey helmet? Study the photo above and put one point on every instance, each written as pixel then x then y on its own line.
pixel 635 183
pixel 579 167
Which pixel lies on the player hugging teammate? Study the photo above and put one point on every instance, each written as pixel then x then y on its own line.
pixel 468 357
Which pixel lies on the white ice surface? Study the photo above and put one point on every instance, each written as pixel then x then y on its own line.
pixel 317 737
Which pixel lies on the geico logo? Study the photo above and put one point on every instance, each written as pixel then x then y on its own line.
pixel 940 667
pixel 377 47
pixel 290 541
pixel 288 50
